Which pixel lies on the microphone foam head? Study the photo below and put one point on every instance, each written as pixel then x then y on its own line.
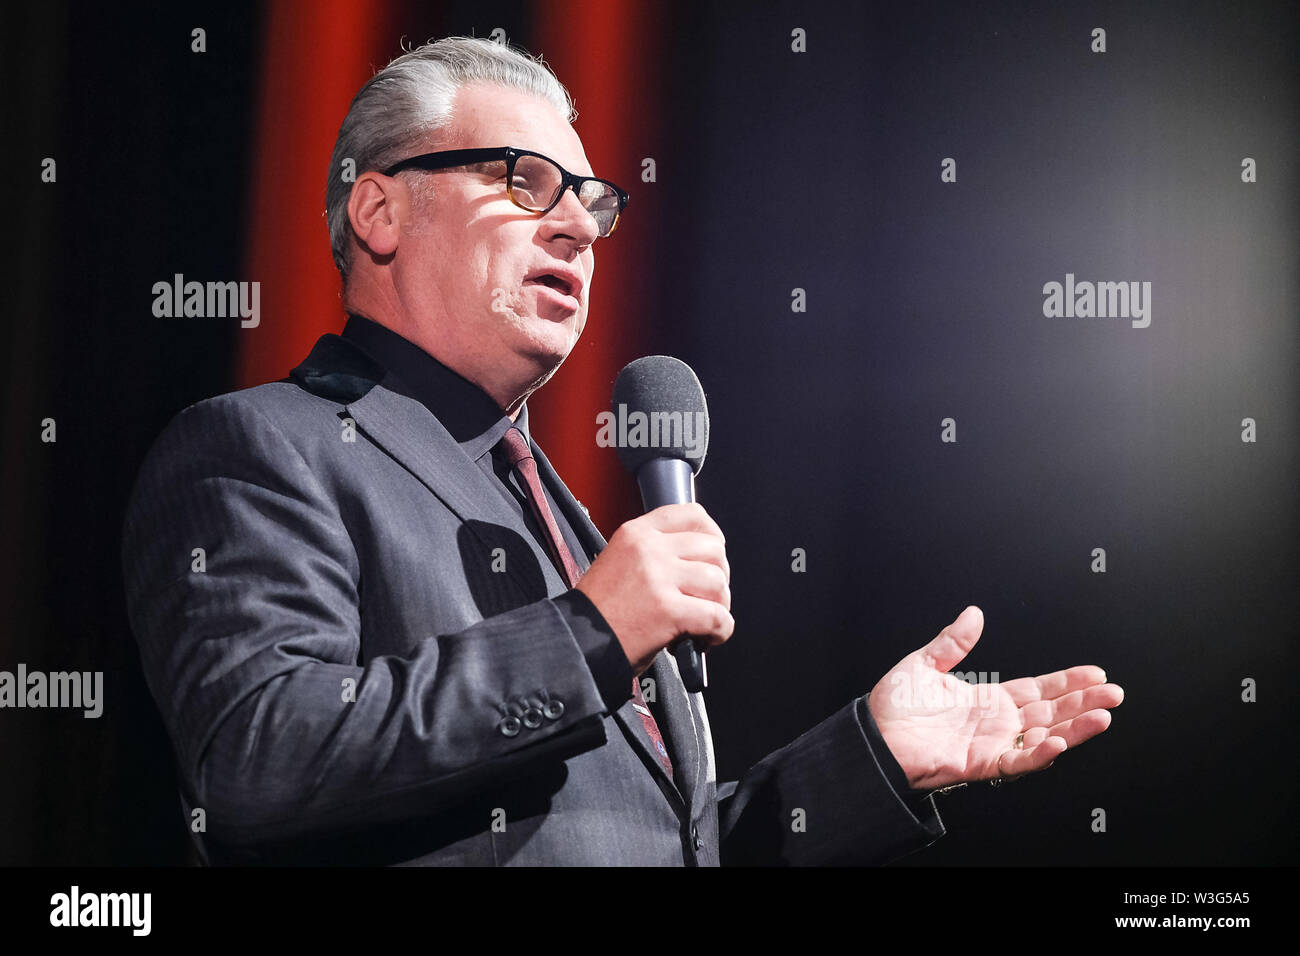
pixel 659 412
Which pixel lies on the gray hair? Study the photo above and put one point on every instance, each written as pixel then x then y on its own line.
pixel 412 97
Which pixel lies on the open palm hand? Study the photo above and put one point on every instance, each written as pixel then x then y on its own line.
pixel 943 730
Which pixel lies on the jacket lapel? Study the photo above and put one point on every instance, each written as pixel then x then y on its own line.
pixel 683 715
pixel 410 433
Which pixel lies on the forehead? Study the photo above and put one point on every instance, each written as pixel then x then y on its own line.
pixel 484 114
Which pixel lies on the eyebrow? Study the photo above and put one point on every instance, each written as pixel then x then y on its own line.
pixel 486 166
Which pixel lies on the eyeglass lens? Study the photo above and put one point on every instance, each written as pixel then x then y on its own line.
pixel 536 184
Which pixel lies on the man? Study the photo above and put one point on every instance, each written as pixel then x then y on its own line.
pixel 380 629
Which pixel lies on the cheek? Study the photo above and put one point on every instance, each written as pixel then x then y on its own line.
pixel 500 275
pixel 507 304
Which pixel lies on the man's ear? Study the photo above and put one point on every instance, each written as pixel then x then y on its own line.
pixel 376 208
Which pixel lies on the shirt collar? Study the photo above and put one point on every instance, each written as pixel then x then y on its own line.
pixel 468 413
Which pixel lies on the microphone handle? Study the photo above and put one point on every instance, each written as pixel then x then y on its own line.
pixel 670 481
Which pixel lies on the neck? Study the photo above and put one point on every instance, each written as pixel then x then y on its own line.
pixel 509 397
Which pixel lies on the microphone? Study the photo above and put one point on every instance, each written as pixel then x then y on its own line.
pixel 663 434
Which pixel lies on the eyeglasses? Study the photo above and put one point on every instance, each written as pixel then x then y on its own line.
pixel 533 181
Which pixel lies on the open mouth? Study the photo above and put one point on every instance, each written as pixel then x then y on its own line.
pixel 554 282
pixel 565 283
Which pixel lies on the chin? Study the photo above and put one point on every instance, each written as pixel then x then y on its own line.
pixel 542 343
pixel 553 341
pixel 548 360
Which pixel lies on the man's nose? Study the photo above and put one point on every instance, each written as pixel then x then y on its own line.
pixel 569 218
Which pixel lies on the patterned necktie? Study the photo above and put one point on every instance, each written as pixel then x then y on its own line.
pixel 520 457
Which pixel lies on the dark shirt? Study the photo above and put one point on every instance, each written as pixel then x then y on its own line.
pixel 477 423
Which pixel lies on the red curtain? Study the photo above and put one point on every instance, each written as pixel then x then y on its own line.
pixel 316 55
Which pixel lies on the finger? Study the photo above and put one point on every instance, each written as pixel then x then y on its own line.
pixel 1033 737
pixel 701 580
pixel 1073 731
pixel 1079 729
pixel 1013 763
pixel 1023 690
pixel 1045 713
pixel 704 619
pixel 694 546
pixel 955 641
pixel 671 519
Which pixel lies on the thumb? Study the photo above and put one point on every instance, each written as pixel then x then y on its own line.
pixel 955 641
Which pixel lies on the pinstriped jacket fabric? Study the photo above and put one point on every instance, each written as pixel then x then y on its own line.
pixel 335 665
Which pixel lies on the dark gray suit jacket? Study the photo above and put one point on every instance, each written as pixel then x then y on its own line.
pixel 337 664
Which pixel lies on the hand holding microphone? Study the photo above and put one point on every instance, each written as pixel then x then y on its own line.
pixel 663 575
pixel 664 579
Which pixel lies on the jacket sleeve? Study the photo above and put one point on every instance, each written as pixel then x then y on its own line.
pixel 243 590
pixel 824 800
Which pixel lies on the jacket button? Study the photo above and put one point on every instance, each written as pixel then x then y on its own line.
pixel 532 718
pixel 695 836
pixel 509 726
pixel 553 709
